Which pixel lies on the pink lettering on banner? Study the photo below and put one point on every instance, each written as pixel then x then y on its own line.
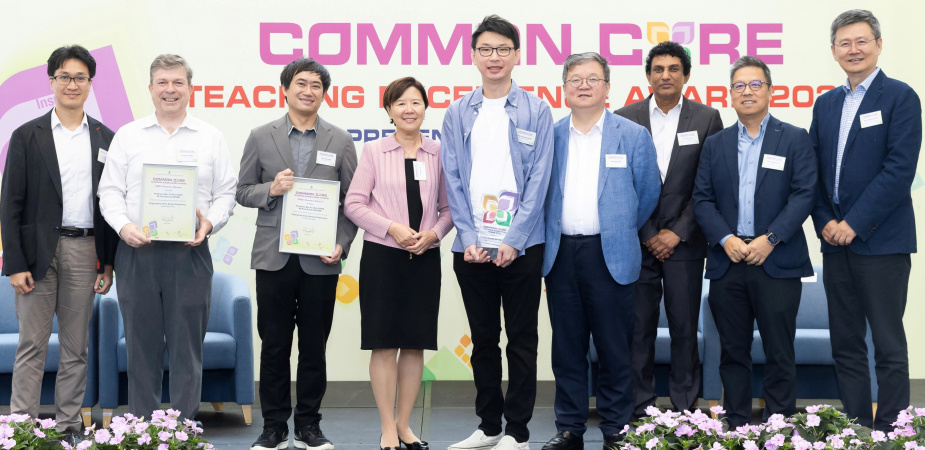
pixel 537 34
pixel 753 44
pixel 707 47
pixel 459 39
pixel 267 29
pixel 341 30
pixel 635 33
pixel 26 95
pixel 366 34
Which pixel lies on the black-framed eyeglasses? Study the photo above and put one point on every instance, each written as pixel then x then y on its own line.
pixel 65 80
pixel 502 51
pixel 753 85
pixel 592 81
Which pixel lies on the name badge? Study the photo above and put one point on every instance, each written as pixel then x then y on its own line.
pixel 773 162
pixel 871 119
pixel 420 171
pixel 326 158
pixel 688 138
pixel 615 161
pixel 186 155
pixel 526 136
pixel 101 157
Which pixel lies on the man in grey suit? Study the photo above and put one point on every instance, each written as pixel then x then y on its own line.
pixel 674 248
pixel 295 290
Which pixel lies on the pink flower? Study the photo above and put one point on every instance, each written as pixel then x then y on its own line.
pixel 625 429
pixel 749 445
pixel 7 444
pixel 818 445
pixel 66 445
pixel 6 431
pixel 38 432
pixel 652 411
pixel 813 408
pixel 652 443
pixel 775 442
pixel 117 439
pixel 878 436
pixel 144 439
pixel 46 423
pixel 920 411
pixel 163 447
pixel 848 432
pixel 84 445
pixel 684 430
pixel 717 410
pixel 910 445
pixel 181 436
pixel 102 436
pixel 812 420
pixel 164 435
pixel 140 427
pixel 836 442
pixel 645 428
pixel 173 413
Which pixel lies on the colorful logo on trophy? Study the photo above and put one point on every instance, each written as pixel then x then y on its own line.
pixel 500 209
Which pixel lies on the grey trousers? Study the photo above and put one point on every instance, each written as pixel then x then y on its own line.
pixel 66 290
pixel 165 290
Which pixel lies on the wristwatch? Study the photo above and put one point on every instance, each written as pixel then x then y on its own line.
pixel 772 239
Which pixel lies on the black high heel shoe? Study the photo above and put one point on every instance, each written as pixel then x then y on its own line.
pixel 419 445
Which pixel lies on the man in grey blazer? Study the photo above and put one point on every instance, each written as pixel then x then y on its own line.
pixel 673 247
pixel 295 290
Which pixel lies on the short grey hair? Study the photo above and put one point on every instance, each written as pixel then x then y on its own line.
pixel 750 61
pixel 854 16
pixel 167 62
pixel 578 59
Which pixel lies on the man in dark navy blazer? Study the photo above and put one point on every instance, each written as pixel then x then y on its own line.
pixel 673 247
pixel 867 134
pixel 754 190
pixel 57 249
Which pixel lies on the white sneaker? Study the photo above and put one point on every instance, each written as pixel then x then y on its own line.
pixel 508 443
pixel 478 441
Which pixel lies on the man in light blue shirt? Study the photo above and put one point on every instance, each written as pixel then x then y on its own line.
pixel 754 190
pixel 497 154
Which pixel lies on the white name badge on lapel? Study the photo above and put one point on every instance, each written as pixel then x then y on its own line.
pixel 326 158
pixel 773 162
pixel 688 138
pixel 871 119
pixel 186 155
pixel 101 157
pixel 526 136
pixel 420 171
pixel 615 161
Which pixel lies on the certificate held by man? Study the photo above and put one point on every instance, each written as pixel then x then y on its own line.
pixel 168 207
pixel 309 222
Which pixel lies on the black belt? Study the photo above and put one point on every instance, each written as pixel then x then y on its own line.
pixel 747 239
pixel 76 232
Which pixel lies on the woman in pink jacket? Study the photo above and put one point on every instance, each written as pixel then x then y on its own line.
pixel 398 196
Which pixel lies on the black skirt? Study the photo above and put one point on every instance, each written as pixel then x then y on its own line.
pixel 399 298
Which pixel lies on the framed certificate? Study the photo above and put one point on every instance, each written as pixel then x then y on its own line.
pixel 168 202
pixel 309 222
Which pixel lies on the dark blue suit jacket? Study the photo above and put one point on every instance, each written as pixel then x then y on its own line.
pixel 878 167
pixel 783 198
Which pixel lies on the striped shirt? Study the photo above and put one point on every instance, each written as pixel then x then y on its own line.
pixel 849 110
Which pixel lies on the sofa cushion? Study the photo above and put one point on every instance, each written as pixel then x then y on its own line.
pixel 8 344
pixel 811 346
pixel 218 352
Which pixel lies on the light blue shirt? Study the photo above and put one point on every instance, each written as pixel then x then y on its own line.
pixel 749 153
pixel 532 161
pixel 849 110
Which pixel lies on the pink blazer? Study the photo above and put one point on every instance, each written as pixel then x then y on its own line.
pixel 377 195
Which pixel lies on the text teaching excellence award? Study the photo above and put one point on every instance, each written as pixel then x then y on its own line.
pixel 309 223
pixel 168 202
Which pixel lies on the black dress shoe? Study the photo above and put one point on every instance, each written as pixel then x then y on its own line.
pixel 613 441
pixel 565 440
pixel 419 445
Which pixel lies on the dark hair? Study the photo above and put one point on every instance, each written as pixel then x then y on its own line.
pixel 750 61
pixel 398 87
pixel 62 54
pixel 854 16
pixel 305 65
pixel 669 48
pixel 496 24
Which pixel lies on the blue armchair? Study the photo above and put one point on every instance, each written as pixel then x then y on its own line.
pixel 815 366
pixel 9 340
pixel 662 356
pixel 228 350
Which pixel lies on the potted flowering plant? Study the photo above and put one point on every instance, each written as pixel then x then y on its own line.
pixel 163 432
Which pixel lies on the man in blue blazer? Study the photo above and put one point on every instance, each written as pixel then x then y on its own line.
pixel 867 134
pixel 753 192
pixel 605 184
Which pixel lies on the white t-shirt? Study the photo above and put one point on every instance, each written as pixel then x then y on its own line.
pixel 492 168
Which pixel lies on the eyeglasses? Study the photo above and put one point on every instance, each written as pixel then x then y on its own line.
pixel 753 85
pixel 592 81
pixel 502 51
pixel 860 43
pixel 65 80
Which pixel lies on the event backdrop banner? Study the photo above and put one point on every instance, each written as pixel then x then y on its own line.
pixel 237 49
